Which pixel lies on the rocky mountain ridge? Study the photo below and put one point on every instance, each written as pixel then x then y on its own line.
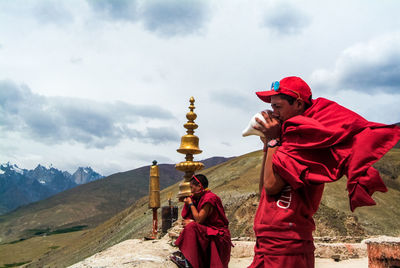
pixel 20 186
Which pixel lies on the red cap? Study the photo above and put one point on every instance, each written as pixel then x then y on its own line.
pixel 293 86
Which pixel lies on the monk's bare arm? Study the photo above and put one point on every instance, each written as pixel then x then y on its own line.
pixel 261 184
pixel 200 216
pixel 273 183
pixel 271 128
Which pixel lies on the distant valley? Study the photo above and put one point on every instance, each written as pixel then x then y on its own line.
pixel 88 204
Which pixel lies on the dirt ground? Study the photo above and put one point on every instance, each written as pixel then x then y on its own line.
pixel 139 253
pixel 319 263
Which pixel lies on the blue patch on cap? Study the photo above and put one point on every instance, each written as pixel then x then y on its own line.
pixel 275 86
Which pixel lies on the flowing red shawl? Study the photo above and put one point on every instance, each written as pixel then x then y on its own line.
pixel 328 141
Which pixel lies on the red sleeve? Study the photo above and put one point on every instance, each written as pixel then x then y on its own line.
pixel 329 141
pixel 368 147
pixel 289 169
pixel 209 198
pixel 186 213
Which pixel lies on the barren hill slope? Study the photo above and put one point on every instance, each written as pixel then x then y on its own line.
pixel 235 182
pixel 88 205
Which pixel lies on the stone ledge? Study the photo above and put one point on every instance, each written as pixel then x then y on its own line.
pixel 336 251
pixel 340 251
pixel 383 251
pixel 242 249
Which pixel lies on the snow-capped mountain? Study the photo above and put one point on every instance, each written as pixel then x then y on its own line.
pixel 85 175
pixel 21 186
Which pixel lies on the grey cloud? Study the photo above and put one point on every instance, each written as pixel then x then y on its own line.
pixel 12 101
pixel 154 135
pixel 226 143
pixel 56 120
pixel 174 17
pixel 76 60
pixel 52 12
pixel 285 19
pixel 369 67
pixel 235 100
pixel 125 10
pixel 161 135
pixel 165 18
pixel 368 77
pixel 123 109
pixel 144 157
pixel 41 124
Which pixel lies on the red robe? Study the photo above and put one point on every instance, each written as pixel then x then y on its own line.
pixel 324 143
pixel 207 244
pixel 283 226
pixel 328 141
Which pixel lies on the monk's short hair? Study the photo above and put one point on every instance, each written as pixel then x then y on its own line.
pixel 291 100
pixel 202 178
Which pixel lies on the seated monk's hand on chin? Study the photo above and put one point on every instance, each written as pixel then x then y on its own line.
pixel 187 200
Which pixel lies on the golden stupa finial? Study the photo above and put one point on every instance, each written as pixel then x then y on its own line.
pixel 189 147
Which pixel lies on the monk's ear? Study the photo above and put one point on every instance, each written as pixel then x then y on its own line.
pixel 300 105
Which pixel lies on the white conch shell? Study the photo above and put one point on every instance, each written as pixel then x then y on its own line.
pixel 250 130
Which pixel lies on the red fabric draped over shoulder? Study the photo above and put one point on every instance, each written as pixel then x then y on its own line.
pixel 328 141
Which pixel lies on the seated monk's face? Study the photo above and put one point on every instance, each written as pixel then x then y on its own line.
pixel 195 189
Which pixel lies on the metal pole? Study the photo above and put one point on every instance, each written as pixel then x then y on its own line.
pixel 155 224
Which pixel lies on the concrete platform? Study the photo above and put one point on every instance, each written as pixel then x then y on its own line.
pixel 155 254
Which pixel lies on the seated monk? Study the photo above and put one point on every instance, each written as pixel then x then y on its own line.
pixel 205 240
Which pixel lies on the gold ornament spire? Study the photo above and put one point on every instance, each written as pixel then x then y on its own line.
pixel 154 186
pixel 154 196
pixel 189 146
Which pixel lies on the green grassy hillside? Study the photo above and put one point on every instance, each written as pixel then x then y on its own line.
pixel 236 182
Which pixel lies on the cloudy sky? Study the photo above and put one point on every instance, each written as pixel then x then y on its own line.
pixel 107 83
